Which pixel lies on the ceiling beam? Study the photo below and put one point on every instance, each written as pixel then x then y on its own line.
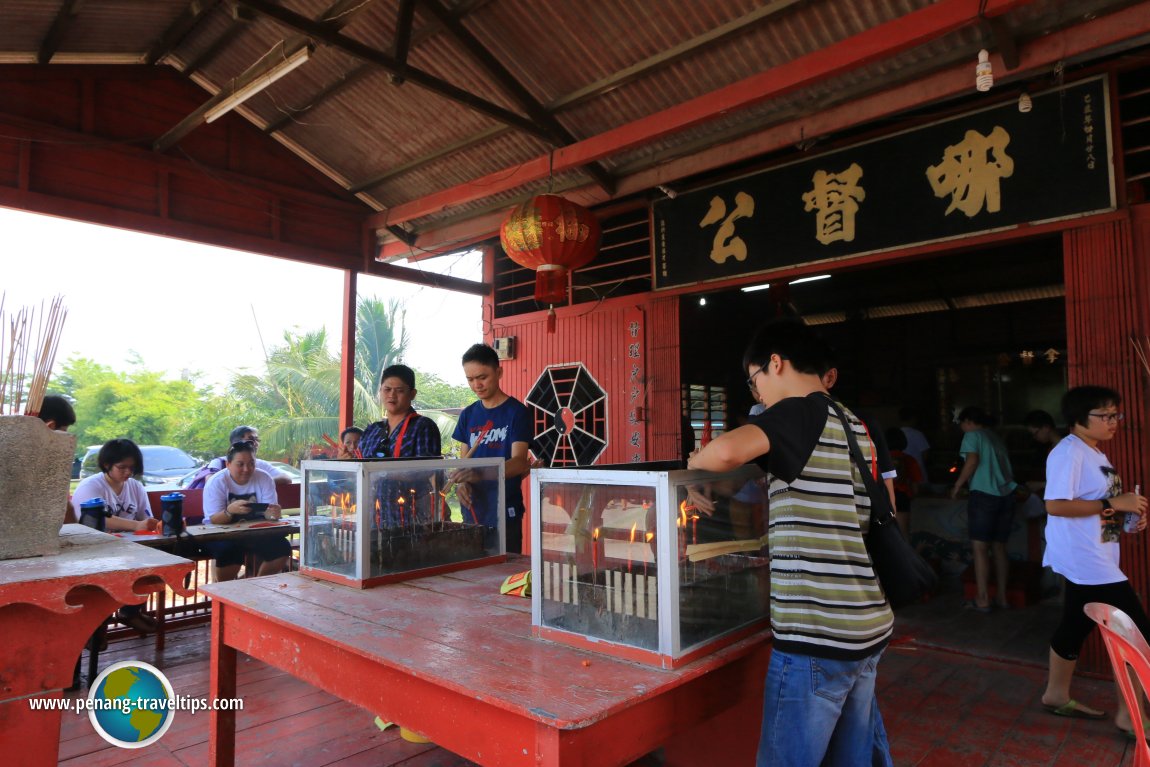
pixel 417 76
pixel 60 26
pixel 558 134
pixel 404 21
pixel 430 279
pixel 178 29
pixel 269 61
pixel 885 40
pixel 1132 23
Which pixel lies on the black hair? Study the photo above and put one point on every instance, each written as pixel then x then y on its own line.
pixel 58 409
pixel 239 447
pixel 792 340
pixel 483 354
pixel 350 430
pixel 1036 419
pixel 975 414
pixel 116 450
pixel 238 433
pixel 1079 401
pixel 895 438
pixel 402 372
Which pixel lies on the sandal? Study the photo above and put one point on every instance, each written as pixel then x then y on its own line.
pixel 970 604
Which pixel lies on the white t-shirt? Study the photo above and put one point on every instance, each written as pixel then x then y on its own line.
pixel 221 490
pixel 1074 545
pixel 130 503
pixel 221 463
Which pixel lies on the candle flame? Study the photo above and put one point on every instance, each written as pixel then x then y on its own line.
pixel 333 500
pixel 595 535
pixel 650 536
pixel 400 500
pixel 633 531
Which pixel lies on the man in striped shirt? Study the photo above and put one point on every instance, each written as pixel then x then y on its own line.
pixel 829 616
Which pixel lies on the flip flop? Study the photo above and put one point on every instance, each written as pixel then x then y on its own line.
pixel 1074 710
pixel 970 604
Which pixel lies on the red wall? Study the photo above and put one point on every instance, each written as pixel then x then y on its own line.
pixel 599 337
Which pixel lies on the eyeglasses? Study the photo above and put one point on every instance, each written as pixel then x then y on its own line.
pixel 751 380
pixel 1109 417
pixel 399 390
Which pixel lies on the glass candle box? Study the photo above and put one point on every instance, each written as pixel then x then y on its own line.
pixel 646 563
pixel 367 522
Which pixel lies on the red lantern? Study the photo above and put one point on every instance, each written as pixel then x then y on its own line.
pixel 550 235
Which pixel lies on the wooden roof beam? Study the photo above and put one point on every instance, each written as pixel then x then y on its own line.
pixel 885 40
pixel 178 29
pixel 423 79
pixel 559 135
pixel 60 25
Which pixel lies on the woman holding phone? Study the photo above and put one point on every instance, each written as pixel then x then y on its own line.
pixel 228 498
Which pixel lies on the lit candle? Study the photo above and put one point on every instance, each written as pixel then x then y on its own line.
pixel 413 507
pixel 595 556
pixel 399 502
pixel 630 545
pixel 650 537
pixel 694 529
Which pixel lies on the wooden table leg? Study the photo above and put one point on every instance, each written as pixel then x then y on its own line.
pixel 221 724
pixel 161 609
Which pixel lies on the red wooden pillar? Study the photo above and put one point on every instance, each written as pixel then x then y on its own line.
pixel 1106 290
pixel 347 350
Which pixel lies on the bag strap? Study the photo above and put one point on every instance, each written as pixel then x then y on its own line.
pixel 870 481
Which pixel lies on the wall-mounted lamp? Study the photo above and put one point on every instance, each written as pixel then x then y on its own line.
pixel 810 279
pixel 983 72
pixel 753 288
pixel 671 193
pixel 245 92
pixel 702 300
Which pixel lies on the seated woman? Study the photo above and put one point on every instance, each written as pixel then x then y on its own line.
pixel 226 497
pixel 126 499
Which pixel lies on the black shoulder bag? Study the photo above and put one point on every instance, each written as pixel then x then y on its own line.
pixel 904 575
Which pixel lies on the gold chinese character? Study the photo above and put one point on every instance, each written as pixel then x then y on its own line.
pixel 1051 355
pixel 836 197
pixel 970 176
pixel 726 244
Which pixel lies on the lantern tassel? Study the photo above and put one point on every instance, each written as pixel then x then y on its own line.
pixel 551 319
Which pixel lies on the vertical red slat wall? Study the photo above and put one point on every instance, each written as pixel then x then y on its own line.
pixel 1105 289
pixel 594 335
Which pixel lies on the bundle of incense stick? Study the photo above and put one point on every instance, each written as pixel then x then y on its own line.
pixel 26 337
pixel 1142 350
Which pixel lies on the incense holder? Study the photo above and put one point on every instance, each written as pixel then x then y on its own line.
pixel 35 471
pixel 654 565
pixel 370 522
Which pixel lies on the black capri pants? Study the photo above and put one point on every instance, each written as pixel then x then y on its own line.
pixel 1076 625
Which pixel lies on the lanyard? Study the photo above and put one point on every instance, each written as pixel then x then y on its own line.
pixel 399 437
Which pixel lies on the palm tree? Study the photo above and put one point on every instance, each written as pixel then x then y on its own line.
pixel 298 401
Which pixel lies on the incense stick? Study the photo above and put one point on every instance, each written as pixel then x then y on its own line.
pixel 21 386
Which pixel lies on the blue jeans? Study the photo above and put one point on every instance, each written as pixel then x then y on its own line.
pixel 821 712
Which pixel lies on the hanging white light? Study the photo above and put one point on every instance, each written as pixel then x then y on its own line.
pixel 983 72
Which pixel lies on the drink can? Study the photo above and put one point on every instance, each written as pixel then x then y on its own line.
pixel 1130 522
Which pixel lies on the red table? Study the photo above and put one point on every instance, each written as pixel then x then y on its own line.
pixel 49 606
pixel 449 657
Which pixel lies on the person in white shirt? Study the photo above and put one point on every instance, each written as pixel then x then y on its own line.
pixel 227 496
pixel 252 435
pixel 1083 499
pixel 126 501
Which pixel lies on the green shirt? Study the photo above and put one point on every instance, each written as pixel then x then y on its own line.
pixel 993 475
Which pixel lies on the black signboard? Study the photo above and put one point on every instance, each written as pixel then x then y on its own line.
pixel 978 172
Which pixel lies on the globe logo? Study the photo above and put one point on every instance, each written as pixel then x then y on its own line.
pixel 131 704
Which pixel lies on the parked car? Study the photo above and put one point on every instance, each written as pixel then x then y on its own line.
pixel 163 464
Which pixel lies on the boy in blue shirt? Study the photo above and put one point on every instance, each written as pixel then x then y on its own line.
pixel 497 426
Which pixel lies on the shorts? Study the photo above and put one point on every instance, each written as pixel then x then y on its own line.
pixel 990 516
pixel 230 553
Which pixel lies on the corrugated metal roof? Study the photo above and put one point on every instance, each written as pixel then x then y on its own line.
pixel 594 66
